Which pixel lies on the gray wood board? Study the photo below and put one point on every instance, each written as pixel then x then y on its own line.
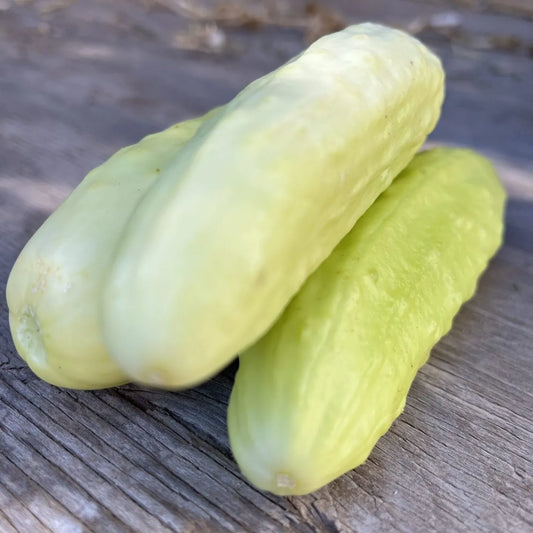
pixel 79 82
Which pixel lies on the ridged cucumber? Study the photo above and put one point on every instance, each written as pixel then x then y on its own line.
pixel 314 395
pixel 54 287
pixel 260 197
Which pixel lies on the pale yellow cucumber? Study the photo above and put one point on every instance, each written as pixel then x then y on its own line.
pixel 260 197
pixel 54 286
pixel 314 395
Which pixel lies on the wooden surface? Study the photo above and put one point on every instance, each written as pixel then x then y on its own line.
pixel 77 83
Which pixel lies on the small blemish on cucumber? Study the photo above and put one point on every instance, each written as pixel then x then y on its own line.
pixel 30 337
pixel 285 481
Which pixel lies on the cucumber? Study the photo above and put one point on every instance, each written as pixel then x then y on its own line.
pixel 312 397
pixel 260 197
pixel 54 287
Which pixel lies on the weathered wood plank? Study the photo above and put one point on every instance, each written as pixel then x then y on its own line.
pixel 17 514
pixel 5 525
pixel 79 83
pixel 39 450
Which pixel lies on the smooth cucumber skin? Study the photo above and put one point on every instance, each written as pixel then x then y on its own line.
pixel 53 288
pixel 266 190
pixel 312 397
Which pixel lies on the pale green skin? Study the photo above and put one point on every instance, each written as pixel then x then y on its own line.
pixel 53 289
pixel 259 199
pixel 314 395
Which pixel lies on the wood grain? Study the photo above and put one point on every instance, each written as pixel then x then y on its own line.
pixel 79 82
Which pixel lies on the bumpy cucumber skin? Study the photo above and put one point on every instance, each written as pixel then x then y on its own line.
pixel 314 395
pixel 53 288
pixel 267 189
